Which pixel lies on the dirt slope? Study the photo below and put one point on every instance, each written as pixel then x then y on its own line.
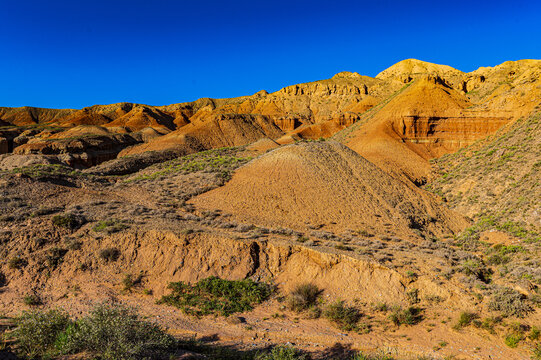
pixel 327 183
pixel 498 176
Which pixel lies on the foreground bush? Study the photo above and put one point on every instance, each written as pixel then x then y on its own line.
pixel 116 332
pixel 37 331
pixel 283 353
pixel 216 296
pixel 109 332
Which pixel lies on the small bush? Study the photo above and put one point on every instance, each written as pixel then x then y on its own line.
pixel 283 353
pixel 362 356
pixel 509 303
pixel 110 254
pixel 216 296
pixel 536 352
pixel 465 319
pixel 344 316
pixel 110 226
pixel 477 269
pixel 54 256
pixel 32 300
pixel 67 221
pixel 16 262
pixel 512 340
pixel 409 316
pixel 130 281
pixel 534 334
pixel 36 332
pixel 303 296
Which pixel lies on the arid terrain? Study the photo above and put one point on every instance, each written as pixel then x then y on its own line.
pixel 394 217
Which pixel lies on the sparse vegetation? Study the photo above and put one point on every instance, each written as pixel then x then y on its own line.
pixel 110 226
pixel 16 262
pixel 32 300
pixel 36 332
pixel 68 221
pixel 216 296
pixel 346 317
pixel 408 316
pixel 109 332
pixel 465 319
pixel 303 296
pixel 283 353
pixel 509 303
pixel 110 254
pixel 221 161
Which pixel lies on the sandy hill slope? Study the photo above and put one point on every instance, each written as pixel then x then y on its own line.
pixel 326 183
pixel 498 176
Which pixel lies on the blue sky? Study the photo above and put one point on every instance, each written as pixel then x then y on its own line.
pixel 71 54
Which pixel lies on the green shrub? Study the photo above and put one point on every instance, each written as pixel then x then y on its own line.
pixel 465 319
pixel 283 353
pixel 509 302
pixel 303 296
pixel 16 262
pixel 110 226
pixel 409 316
pixel 129 281
pixel 362 356
pixel 477 269
pixel 115 332
pixel 68 221
pixel 344 316
pixel 36 332
pixel 110 254
pixel 32 300
pixel 512 340
pixel 534 334
pixel 216 296
pixel 536 352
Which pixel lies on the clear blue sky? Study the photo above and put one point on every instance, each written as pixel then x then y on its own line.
pixel 77 53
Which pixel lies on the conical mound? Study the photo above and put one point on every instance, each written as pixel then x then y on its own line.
pixel 326 183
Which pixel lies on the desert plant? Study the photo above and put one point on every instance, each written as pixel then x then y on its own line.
pixel 16 262
pixel 216 296
pixel 68 221
pixel 534 334
pixel 109 226
pixel 303 296
pixel 509 302
pixel 363 356
pixel 345 317
pixel 116 332
pixel 54 256
pixel 32 300
pixel 37 331
pixel 110 254
pixel 536 352
pixel 465 318
pixel 283 353
pixel 129 281
pixel 409 316
pixel 512 340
